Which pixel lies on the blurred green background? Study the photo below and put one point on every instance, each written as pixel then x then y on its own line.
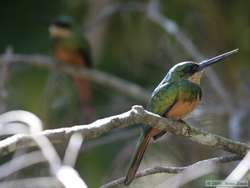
pixel 127 44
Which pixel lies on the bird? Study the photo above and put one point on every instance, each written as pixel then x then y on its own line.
pixel 176 96
pixel 72 48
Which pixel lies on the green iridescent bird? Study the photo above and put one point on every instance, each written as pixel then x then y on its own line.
pixel 176 96
pixel 71 47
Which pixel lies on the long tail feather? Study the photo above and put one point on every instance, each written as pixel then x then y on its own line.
pixel 138 157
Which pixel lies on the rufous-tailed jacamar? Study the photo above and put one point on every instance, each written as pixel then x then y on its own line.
pixel 177 95
pixel 71 47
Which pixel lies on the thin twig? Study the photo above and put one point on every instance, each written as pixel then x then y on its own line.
pixel 172 170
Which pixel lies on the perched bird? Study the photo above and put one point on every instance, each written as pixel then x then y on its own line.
pixel 70 47
pixel 176 96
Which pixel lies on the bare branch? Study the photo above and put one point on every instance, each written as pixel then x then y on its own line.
pixel 193 172
pixel 136 115
pixel 172 170
pixel 96 76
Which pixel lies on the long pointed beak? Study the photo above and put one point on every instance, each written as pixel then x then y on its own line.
pixel 216 59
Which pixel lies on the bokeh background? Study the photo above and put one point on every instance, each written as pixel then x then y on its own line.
pixel 130 46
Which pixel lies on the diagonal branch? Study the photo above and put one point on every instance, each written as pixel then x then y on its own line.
pixel 173 170
pixel 137 115
pixel 96 76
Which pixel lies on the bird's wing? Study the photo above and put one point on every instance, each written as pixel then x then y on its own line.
pixel 163 98
pixel 85 50
pixel 78 43
pixel 86 54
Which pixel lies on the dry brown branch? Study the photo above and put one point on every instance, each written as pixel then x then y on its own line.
pixel 96 76
pixel 136 115
pixel 172 170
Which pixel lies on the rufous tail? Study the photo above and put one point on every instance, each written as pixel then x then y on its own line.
pixel 143 143
pixel 84 91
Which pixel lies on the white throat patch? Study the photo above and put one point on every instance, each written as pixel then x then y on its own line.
pixel 58 32
pixel 196 78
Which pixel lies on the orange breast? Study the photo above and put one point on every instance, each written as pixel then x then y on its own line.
pixel 69 57
pixel 181 109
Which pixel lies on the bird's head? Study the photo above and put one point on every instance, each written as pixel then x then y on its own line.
pixel 193 71
pixel 61 27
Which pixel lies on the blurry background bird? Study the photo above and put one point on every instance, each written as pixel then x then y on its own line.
pixel 71 47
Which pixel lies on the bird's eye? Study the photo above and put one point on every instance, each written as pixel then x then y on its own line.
pixel 193 68
pixel 188 70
